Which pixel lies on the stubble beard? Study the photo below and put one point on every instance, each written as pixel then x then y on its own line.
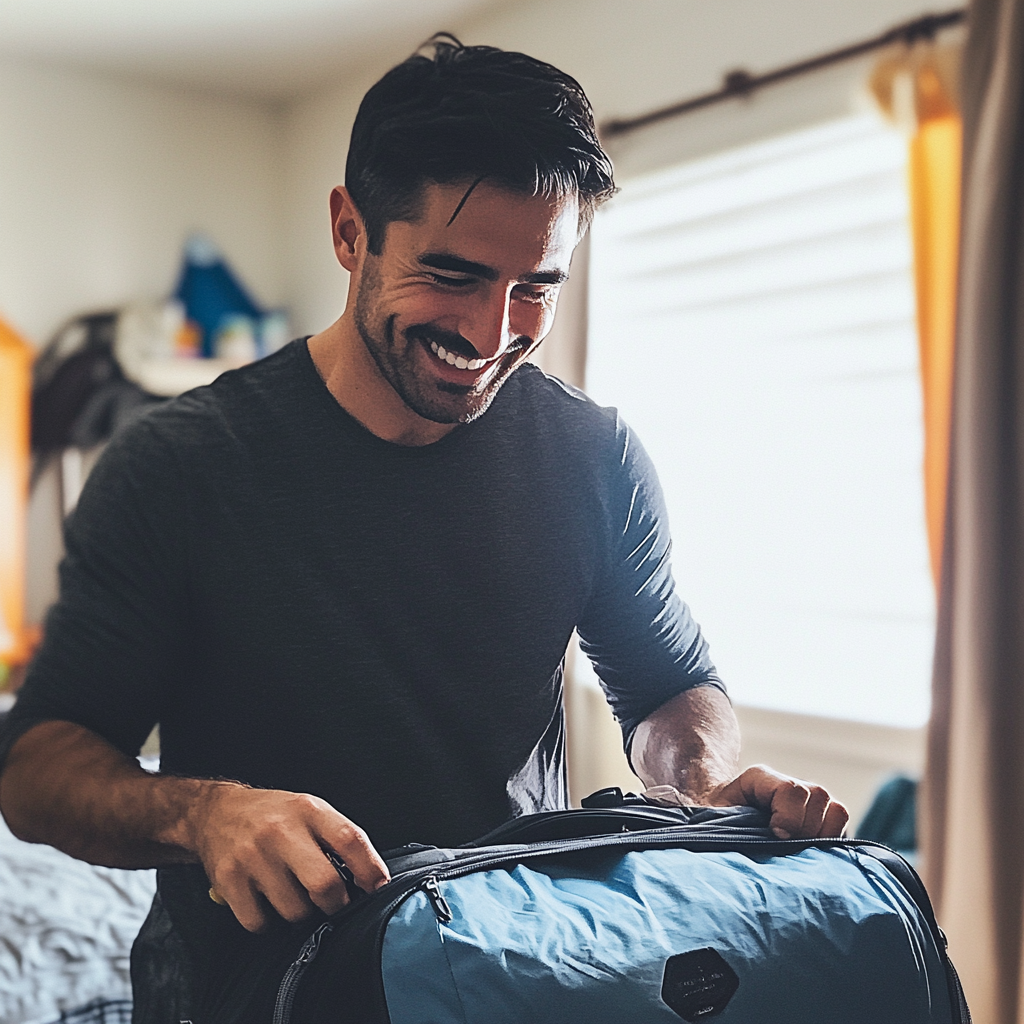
pixel 436 400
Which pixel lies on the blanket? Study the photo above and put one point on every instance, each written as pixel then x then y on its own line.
pixel 66 930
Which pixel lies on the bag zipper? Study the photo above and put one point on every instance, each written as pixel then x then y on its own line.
pixel 292 977
pixel 442 911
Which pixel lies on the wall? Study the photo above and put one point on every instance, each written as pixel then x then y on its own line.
pixel 316 142
pixel 101 179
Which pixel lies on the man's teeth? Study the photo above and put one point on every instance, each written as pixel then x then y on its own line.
pixel 459 362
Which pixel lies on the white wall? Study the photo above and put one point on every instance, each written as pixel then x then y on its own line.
pixel 316 143
pixel 101 179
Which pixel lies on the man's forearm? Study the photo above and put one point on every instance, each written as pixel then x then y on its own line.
pixel 692 742
pixel 66 786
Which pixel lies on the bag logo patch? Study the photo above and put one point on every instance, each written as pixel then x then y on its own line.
pixel 698 984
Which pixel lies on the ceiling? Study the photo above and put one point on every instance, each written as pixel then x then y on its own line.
pixel 267 49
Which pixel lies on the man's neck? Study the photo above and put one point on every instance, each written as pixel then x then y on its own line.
pixel 354 379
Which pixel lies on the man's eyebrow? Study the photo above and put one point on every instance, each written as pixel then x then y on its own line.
pixel 546 277
pixel 458 265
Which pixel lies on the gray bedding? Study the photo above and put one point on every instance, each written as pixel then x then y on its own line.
pixel 66 929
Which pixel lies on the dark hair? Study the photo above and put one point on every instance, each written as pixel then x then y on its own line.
pixel 469 113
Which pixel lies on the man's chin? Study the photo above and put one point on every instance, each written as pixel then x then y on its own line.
pixel 461 409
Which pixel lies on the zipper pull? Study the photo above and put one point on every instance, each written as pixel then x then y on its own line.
pixel 312 945
pixel 442 911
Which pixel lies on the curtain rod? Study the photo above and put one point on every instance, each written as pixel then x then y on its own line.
pixel 743 83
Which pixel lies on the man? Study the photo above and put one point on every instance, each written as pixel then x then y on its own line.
pixel 343 579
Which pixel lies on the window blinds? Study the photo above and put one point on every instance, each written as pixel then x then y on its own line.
pixel 752 316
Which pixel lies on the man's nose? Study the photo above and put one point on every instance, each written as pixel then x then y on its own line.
pixel 486 327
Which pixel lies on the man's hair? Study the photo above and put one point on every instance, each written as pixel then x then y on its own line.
pixel 454 113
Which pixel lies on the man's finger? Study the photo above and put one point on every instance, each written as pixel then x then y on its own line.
pixel 788 807
pixel 324 884
pixel 286 894
pixel 244 903
pixel 353 846
pixel 784 797
pixel 836 818
pixel 814 813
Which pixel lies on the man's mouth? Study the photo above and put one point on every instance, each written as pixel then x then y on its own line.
pixel 459 362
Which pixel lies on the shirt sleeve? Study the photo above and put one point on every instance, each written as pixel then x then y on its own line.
pixel 644 643
pixel 115 641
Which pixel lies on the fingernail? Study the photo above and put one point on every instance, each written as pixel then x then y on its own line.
pixel 782 833
pixel 381 884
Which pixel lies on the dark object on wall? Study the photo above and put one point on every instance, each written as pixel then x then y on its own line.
pixel 77 362
pixel 210 292
pixel 892 817
pixel 80 397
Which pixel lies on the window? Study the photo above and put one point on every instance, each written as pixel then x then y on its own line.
pixel 752 316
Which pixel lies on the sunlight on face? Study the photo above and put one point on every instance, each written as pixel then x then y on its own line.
pixel 455 303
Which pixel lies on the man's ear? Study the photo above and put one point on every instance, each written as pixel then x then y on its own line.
pixel 348 229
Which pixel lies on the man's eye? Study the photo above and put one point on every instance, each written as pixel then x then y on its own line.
pixel 530 295
pixel 454 282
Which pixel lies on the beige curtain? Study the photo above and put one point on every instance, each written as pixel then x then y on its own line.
pixel 973 802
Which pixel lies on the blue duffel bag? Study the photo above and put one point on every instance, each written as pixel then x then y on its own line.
pixel 630 914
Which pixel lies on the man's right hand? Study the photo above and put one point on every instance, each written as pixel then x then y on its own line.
pixel 265 848
pixel 262 849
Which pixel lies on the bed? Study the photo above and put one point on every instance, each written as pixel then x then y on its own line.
pixel 66 930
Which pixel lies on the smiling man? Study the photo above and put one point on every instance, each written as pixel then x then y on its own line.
pixel 343 579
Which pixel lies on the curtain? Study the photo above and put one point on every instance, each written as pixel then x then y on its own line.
pixel 973 800
pixel 935 153
pixel 15 370
pixel 920 89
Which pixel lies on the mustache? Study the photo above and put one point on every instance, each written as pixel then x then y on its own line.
pixel 456 343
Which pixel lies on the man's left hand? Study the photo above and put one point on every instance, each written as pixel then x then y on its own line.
pixel 692 742
pixel 799 810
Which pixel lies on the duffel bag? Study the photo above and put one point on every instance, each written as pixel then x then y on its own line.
pixel 628 914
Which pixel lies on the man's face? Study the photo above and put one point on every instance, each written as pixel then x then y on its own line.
pixel 452 306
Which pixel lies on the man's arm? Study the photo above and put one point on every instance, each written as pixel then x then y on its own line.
pixel 692 743
pixel 66 786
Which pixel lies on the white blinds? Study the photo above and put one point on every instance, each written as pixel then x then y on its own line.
pixel 752 315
